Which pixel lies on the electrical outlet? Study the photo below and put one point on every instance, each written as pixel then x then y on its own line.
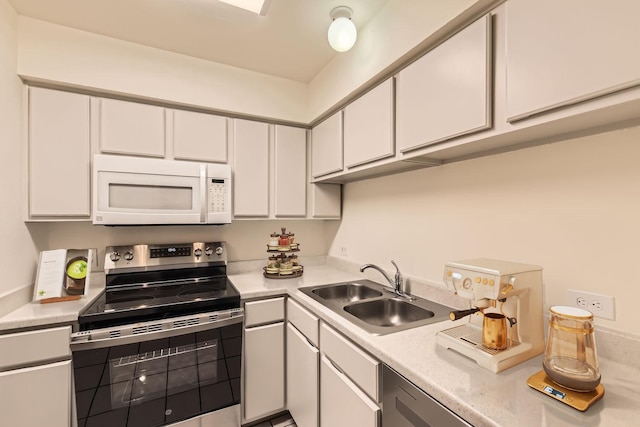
pixel 600 305
pixel 343 251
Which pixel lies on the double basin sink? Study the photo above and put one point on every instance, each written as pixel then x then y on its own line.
pixel 376 308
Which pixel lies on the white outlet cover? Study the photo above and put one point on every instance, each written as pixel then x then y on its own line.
pixel 600 305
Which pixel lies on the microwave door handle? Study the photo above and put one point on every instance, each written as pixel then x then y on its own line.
pixel 203 194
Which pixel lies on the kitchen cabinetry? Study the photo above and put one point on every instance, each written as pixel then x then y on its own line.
pixel 59 155
pixel 447 92
pixel 199 136
pixel 555 58
pixel 35 376
pixel 349 383
pixel 326 146
pixel 303 358
pixel 131 128
pixel 368 126
pixel 251 169
pixel 263 364
pixel 290 172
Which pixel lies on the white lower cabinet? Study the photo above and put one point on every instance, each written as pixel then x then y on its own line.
pixel 303 365
pixel 37 396
pixel 331 382
pixel 342 403
pixel 263 390
pixel 302 379
pixel 35 382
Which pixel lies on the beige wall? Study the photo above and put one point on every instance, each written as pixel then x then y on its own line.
pixel 572 207
pixel 70 57
pixel 247 239
pixel 17 253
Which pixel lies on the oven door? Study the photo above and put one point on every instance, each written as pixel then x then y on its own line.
pixel 157 373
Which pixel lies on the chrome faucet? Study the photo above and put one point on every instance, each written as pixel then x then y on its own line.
pixel 397 283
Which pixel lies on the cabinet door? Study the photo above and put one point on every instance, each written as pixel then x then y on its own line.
pixel 131 128
pixel 325 200
pixel 59 154
pixel 251 168
pixel 37 396
pixel 326 146
pixel 302 378
pixel 290 168
pixel 561 53
pixel 342 403
pixel 198 136
pixel 368 126
pixel 263 371
pixel 447 92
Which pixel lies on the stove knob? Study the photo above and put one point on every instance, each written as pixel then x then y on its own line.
pixel 198 253
pixel 115 256
pixel 219 250
pixel 208 251
pixel 128 255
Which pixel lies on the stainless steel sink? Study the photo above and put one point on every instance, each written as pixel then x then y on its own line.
pixel 375 308
pixel 346 292
pixel 388 312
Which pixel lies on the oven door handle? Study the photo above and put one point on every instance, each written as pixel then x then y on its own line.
pixel 129 334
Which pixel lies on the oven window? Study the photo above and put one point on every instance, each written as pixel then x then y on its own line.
pixel 127 196
pixel 158 382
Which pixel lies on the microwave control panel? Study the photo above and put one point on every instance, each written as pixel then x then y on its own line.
pixel 218 195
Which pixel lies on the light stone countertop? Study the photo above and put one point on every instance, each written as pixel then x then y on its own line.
pixel 29 315
pixel 480 397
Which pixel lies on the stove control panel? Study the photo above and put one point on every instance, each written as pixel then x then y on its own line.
pixel 170 251
pixel 149 256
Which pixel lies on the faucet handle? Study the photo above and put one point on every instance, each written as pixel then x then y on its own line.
pixel 398 275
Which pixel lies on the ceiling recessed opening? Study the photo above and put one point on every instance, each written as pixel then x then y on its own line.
pixel 259 7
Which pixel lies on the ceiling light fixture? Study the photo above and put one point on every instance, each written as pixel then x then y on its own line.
pixel 259 7
pixel 342 32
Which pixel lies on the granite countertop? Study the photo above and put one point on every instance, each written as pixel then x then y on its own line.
pixel 480 397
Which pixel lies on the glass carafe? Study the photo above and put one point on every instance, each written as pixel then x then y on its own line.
pixel 570 355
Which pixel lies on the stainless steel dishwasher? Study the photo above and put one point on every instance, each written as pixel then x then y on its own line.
pixel 405 405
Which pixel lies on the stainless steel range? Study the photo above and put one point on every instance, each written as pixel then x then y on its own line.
pixel 163 342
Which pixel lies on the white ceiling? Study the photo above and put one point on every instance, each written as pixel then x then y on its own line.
pixel 290 41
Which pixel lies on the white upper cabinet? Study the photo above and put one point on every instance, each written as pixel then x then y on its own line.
pixel 131 128
pixel 562 53
pixel 290 172
pixel 198 136
pixel 59 154
pixel 326 146
pixel 447 92
pixel 368 126
pixel 325 200
pixel 251 168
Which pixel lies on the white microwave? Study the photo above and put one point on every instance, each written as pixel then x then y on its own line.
pixel 139 191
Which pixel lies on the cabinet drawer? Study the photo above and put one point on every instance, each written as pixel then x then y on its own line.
pixel 363 369
pixel 264 311
pixel 303 320
pixel 26 348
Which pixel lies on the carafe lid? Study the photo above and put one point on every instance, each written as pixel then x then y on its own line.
pixel 571 312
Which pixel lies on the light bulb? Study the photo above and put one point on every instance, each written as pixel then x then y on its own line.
pixel 342 34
